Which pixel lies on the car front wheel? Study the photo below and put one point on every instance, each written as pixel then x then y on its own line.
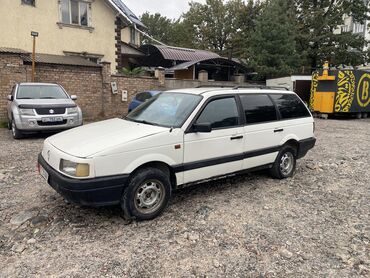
pixel 147 194
pixel 17 134
pixel 285 163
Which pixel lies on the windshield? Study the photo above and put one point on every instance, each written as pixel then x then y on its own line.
pixel 41 92
pixel 165 109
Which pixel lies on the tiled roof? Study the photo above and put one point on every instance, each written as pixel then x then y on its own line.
pixel 60 60
pixel 124 9
pixel 12 50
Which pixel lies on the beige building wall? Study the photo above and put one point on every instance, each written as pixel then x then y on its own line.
pixel 17 21
pixel 126 36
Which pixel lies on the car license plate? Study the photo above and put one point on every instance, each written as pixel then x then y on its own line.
pixel 52 119
pixel 44 174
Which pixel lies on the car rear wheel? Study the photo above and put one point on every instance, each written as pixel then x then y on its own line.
pixel 147 194
pixel 285 163
pixel 17 134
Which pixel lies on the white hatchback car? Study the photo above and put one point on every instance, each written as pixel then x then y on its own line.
pixel 177 138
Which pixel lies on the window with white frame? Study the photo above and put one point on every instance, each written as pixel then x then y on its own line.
pixel 75 12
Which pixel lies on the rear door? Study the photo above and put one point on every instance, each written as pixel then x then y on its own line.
pixel 220 151
pixel 262 131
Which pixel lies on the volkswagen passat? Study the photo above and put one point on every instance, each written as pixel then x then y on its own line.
pixel 177 138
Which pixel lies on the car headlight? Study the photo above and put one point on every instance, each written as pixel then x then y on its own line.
pixel 74 169
pixel 72 110
pixel 26 112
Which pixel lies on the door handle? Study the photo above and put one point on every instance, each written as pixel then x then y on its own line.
pixel 279 130
pixel 237 137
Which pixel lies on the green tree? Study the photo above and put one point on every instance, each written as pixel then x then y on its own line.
pixel 159 27
pixel 215 25
pixel 319 34
pixel 272 44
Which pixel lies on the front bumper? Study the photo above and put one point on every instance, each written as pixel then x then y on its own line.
pixel 35 123
pixel 101 191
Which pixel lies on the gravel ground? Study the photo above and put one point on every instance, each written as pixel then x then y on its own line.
pixel 316 224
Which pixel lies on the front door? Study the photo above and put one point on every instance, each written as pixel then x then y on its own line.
pixel 217 152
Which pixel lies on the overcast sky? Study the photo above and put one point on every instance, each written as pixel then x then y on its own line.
pixel 169 8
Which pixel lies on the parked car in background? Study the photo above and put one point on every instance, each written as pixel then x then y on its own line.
pixel 174 139
pixel 35 107
pixel 141 98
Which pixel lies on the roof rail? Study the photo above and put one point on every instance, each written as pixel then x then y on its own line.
pixel 215 86
pixel 260 87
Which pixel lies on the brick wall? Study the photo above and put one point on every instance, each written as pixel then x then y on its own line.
pixel 92 85
pixel 11 72
pixel 114 104
pixel 84 82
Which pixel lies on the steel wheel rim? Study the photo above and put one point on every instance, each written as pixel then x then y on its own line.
pixel 149 196
pixel 286 163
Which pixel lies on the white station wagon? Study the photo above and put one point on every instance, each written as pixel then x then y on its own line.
pixel 174 139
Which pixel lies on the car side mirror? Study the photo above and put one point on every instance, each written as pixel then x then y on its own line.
pixel 73 97
pixel 202 127
pixel 10 98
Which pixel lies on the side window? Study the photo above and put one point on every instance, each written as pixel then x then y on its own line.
pixel 258 108
pixel 220 113
pixel 290 106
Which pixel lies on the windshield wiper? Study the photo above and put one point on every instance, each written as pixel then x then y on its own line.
pixel 139 121
pixel 25 98
pixel 48 98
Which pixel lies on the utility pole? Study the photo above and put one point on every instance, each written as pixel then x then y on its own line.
pixel 34 35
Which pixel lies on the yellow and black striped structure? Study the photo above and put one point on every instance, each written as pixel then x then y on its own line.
pixel 340 91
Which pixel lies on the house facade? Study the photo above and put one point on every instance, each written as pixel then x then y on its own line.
pixel 97 30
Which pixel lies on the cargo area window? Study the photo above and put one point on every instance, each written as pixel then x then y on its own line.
pixel 290 106
pixel 75 12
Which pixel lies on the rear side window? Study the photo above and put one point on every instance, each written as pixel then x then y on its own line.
pixel 143 96
pixel 258 109
pixel 290 106
pixel 221 113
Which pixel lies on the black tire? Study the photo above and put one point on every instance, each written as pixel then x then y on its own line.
pixel 17 134
pixel 286 154
pixel 146 182
pixel 9 125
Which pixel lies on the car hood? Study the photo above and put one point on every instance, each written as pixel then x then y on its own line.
pixel 87 140
pixel 47 102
